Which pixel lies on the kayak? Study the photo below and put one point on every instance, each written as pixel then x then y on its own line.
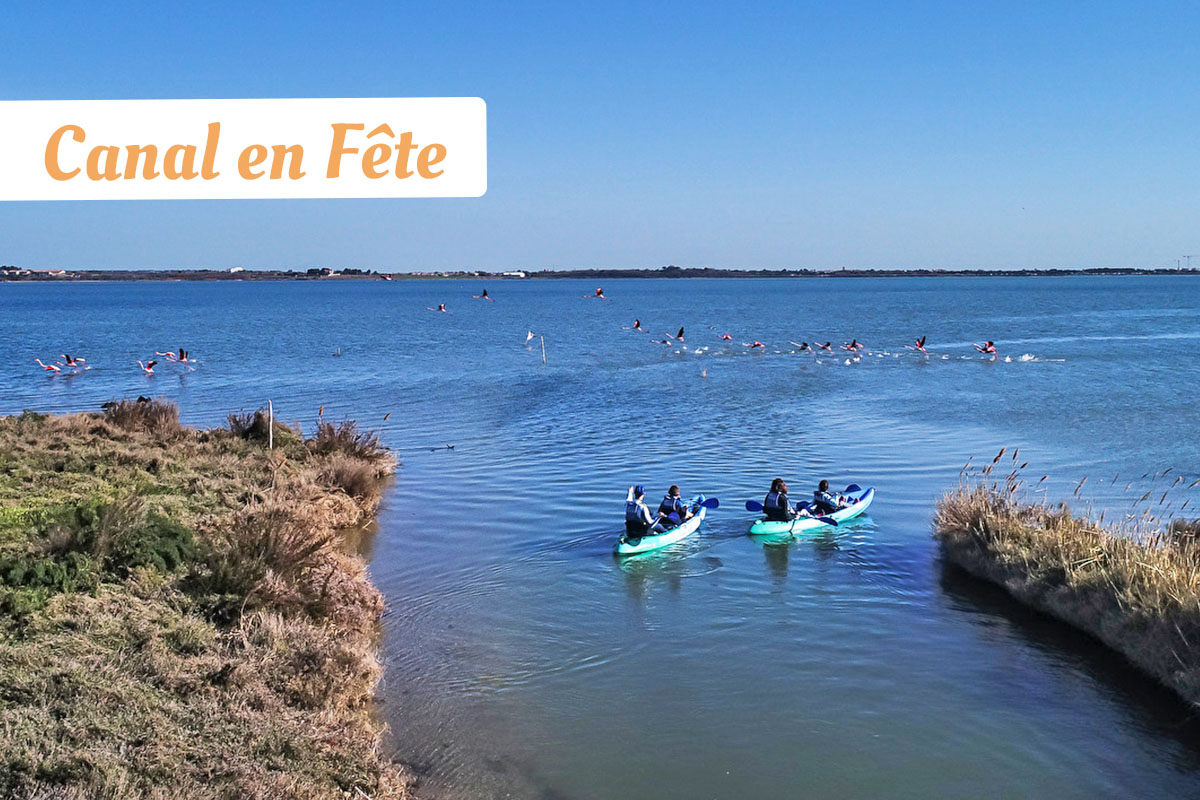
pixel 627 547
pixel 808 524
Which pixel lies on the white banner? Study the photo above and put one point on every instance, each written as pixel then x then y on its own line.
pixel 241 149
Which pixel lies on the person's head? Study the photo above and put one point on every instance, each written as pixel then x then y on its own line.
pixel 639 492
pixel 823 486
pixel 673 491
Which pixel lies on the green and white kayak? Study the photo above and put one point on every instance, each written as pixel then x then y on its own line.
pixel 627 547
pixel 801 525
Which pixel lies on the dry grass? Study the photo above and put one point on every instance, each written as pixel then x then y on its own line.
pixel 175 620
pixel 1135 588
pixel 345 438
pixel 159 417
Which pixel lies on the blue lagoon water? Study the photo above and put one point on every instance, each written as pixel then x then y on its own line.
pixel 523 660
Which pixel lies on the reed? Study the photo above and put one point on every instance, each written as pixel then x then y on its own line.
pixel 1133 583
pixel 176 619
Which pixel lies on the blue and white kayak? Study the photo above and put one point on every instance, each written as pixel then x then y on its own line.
pixel 801 525
pixel 629 546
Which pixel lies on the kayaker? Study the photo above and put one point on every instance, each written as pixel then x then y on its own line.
pixel 639 520
pixel 775 504
pixel 671 504
pixel 824 501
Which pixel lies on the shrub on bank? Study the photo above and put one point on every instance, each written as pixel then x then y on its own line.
pixel 1136 591
pixel 175 619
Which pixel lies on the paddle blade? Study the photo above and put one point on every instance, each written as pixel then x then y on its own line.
pixel 752 505
pixel 854 487
pixel 710 502
pixel 828 521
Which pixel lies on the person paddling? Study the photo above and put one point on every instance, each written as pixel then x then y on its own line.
pixel 775 504
pixel 673 508
pixel 824 501
pixel 639 520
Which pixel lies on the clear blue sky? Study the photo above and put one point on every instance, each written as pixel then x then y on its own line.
pixel 640 134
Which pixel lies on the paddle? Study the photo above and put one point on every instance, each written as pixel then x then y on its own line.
pixel 752 505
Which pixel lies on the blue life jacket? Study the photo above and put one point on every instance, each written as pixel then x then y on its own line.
pixel 824 502
pixel 635 518
pixel 776 507
pixel 671 505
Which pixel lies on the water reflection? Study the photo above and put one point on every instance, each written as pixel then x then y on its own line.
pixel 1153 707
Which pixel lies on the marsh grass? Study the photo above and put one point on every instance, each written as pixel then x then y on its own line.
pixel 1133 582
pixel 175 619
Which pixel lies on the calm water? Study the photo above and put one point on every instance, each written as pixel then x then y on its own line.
pixel 525 661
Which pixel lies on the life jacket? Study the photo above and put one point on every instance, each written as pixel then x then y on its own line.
pixel 635 518
pixel 776 507
pixel 824 502
pixel 670 505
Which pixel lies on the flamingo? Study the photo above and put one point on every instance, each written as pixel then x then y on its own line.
pixel 827 347
pixel 441 307
pixel 678 336
pixel 148 367
pixel 853 346
pixel 757 343
pixel 483 296
pixel 637 326
pixel 802 345
pixel 599 295
pixel 988 348
pixel 726 338
pixel 529 337
pixel 55 367
pixel 920 345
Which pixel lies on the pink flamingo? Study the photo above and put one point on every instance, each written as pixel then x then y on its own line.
pixel 55 367
pixel 148 367
pixel 920 345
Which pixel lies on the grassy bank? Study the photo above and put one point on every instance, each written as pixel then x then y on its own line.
pixel 176 619
pixel 1136 589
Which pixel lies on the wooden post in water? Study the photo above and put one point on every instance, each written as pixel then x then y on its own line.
pixel 543 349
pixel 270 425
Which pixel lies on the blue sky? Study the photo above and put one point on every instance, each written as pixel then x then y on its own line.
pixel 643 134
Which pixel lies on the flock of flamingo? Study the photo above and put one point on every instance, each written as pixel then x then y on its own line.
pixel 853 346
pixel 75 365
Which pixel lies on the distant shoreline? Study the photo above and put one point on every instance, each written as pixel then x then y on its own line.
pixel 18 274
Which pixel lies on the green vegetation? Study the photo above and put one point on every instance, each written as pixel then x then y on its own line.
pixel 1135 589
pixel 176 619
